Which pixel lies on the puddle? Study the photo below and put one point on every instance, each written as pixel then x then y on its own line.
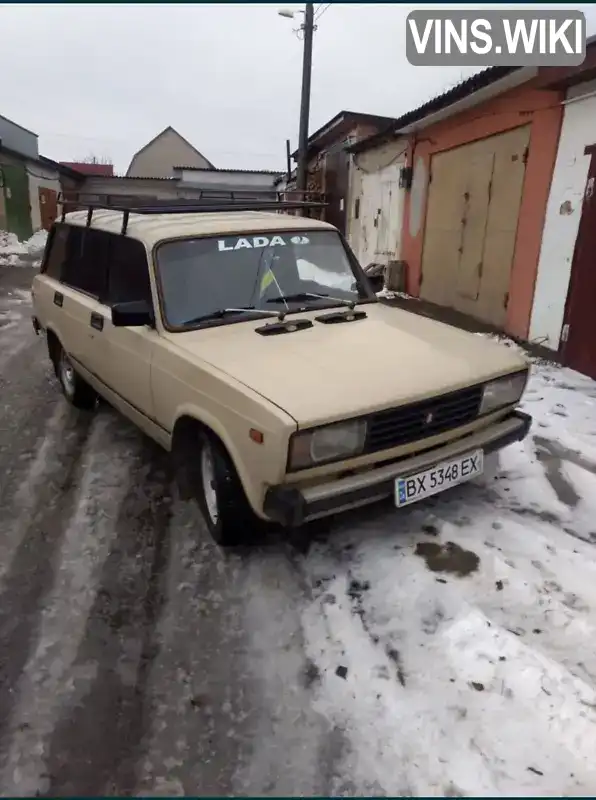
pixel 449 557
pixel 551 455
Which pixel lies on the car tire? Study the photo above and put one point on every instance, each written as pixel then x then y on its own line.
pixel 76 390
pixel 221 497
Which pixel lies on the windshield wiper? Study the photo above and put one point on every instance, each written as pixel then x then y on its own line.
pixel 291 298
pixel 223 312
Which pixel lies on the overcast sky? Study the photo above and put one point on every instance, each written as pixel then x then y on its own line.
pixel 105 79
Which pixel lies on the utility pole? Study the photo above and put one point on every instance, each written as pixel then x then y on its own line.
pixel 302 167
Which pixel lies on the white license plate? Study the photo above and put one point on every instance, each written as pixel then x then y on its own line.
pixel 442 476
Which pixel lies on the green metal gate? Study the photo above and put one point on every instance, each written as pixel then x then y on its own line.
pixel 16 196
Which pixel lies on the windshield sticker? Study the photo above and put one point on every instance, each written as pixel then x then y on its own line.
pixel 252 242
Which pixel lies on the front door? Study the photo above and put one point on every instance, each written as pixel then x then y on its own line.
pixel 579 349
pixel 126 353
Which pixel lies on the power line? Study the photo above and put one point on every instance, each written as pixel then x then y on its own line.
pixel 321 10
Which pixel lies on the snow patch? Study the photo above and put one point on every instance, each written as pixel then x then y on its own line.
pixel 387 294
pixel 15 253
pixel 36 244
pixel 480 685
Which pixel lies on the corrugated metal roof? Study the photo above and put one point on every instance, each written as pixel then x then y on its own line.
pixel 131 178
pixel 354 116
pixel 241 171
pixel 448 98
pixel 152 228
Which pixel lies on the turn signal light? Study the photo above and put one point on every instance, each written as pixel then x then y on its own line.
pixel 256 436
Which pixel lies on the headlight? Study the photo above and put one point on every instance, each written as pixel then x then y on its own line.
pixel 503 392
pixel 329 443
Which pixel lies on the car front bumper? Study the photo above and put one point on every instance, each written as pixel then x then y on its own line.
pixel 291 506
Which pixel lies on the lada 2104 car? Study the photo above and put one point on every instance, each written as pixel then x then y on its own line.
pixel 250 344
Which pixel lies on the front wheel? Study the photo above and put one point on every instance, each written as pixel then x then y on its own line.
pixel 76 390
pixel 229 517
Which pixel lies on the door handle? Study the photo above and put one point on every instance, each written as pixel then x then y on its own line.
pixel 58 299
pixel 96 321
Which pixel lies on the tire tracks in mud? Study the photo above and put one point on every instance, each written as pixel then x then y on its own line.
pixel 293 748
pixel 34 563
pixel 95 746
pixel 314 572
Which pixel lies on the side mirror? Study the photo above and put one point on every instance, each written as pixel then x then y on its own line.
pixel 133 314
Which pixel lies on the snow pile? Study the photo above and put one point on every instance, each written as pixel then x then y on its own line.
pixel 14 253
pixel 10 249
pixel 37 243
pixel 387 294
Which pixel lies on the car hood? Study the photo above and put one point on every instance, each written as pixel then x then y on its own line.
pixel 335 371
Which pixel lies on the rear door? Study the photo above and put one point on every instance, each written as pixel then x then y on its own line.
pixel 84 283
pixel 67 292
pixel 47 291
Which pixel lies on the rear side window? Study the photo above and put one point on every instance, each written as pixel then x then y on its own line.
pixel 86 263
pixel 112 268
pixel 128 272
pixel 55 254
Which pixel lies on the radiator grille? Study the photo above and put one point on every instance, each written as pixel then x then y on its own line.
pixel 410 423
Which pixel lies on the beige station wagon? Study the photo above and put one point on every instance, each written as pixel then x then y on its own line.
pixel 250 344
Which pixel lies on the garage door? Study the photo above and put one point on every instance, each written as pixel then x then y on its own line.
pixel 473 206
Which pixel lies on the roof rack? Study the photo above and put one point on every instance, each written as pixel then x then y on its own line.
pixel 203 202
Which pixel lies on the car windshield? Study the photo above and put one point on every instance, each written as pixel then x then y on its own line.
pixel 268 271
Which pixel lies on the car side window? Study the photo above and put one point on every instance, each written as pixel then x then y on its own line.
pixel 128 278
pixel 86 263
pixel 55 254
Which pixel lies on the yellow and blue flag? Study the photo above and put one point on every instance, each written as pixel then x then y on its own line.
pixel 267 279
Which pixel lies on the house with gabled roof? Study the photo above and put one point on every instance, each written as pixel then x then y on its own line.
pixel 159 157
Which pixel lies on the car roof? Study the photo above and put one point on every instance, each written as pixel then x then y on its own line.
pixel 153 228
